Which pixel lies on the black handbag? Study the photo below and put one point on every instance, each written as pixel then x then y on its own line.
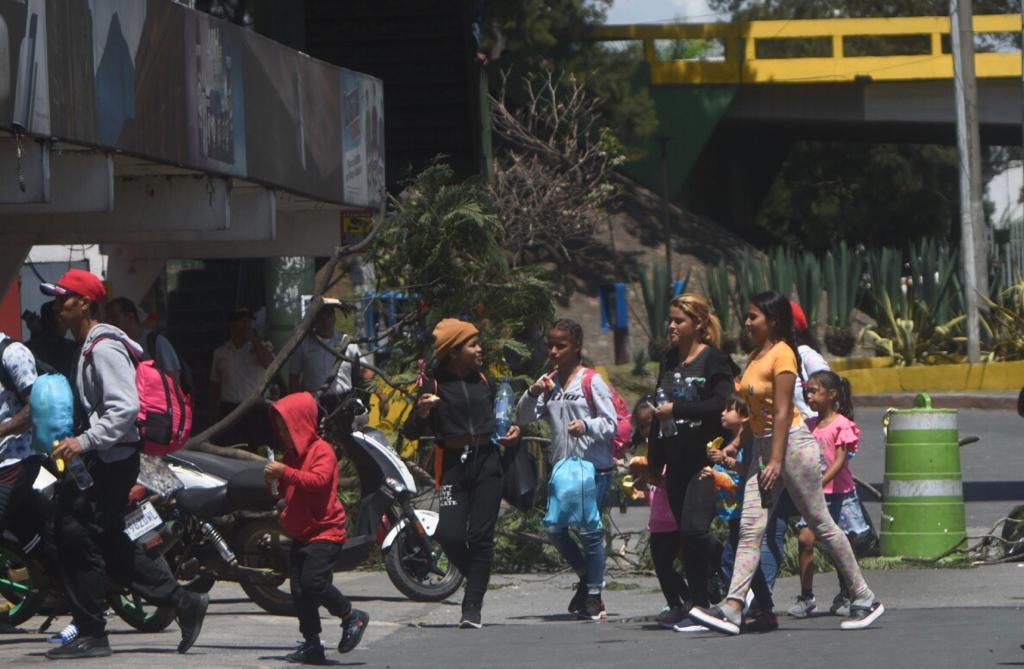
pixel 521 477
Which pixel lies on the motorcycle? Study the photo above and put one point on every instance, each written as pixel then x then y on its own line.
pixel 29 577
pixel 230 529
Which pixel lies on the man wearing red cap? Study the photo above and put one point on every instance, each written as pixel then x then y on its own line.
pixel 90 524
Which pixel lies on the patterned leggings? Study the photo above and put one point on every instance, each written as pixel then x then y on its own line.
pixel 801 474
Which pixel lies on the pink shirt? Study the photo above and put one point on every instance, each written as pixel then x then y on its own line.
pixel 840 432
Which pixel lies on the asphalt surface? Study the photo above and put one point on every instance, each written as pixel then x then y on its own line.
pixel 935 618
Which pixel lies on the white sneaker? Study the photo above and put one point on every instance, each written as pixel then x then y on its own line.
pixel 862 616
pixel 805 604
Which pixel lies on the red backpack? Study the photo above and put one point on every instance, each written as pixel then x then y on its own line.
pixel 165 410
pixel 623 416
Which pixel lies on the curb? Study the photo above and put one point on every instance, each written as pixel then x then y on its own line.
pixel 984 401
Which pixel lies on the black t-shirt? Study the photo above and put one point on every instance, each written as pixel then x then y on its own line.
pixel 466 408
pixel 698 391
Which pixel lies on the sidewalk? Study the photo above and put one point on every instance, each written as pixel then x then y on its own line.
pixel 991 401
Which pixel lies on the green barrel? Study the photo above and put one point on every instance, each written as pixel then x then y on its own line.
pixel 923 499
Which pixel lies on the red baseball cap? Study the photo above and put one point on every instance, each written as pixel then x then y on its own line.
pixel 799 318
pixel 77 282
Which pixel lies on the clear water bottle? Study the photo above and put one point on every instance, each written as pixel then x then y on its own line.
pixel 691 392
pixel 75 467
pixel 668 426
pixel 273 484
pixel 504 406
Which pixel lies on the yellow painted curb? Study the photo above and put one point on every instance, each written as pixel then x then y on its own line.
pixel 991 376
pixel 840 365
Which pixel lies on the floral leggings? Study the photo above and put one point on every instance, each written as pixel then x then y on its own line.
pixel 801 474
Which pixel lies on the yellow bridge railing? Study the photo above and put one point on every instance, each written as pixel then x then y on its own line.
pixel 741 64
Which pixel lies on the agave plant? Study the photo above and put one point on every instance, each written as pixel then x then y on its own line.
pixel 656 290
pixel 719 291
pixel 843 271
pixel 916 316
pixel 782 270
pixel 808 285
pixel 1004 323
pixel 751 279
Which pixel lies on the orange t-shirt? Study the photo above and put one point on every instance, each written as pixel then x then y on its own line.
pixel 758 387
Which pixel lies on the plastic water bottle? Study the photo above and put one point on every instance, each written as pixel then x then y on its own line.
pixel 75 467
pixel 504 405
pixel 668 425
pixel 692 394
pixel 273 484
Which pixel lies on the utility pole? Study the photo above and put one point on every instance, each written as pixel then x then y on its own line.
pixel 972 244
pixel 666 226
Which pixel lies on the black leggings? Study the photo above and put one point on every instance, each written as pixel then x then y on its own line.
pixel 692 500
pixel 664 551
pixel 312 573
pixel 469 501
pixel 93 544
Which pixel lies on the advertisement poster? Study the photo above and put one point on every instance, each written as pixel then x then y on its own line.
pixel 216 96
pixel 353 141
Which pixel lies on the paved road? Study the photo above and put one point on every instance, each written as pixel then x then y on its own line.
pixel 936 619
pixel 993 469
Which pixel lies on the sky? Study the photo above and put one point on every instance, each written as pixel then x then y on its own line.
pixel 660 11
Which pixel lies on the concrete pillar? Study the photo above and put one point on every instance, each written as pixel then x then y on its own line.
pixel 12 257
pixel 288 278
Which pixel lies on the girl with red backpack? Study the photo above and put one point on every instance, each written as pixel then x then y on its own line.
pixel 578 404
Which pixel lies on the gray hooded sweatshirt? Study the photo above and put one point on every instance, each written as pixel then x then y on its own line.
pixel 561 406
pixel 106 385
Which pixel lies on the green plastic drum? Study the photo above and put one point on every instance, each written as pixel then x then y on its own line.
pixel 923 500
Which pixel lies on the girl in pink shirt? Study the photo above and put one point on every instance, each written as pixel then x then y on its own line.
pixel 829 395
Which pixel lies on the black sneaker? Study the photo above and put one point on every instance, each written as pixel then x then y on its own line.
pixel 578 597
pixel 715 619
pixel 308 652
pixel 764 621
pixel 352 630
pixel 470 619
pixel 80 648
pixel 593 609
pixel 190 619
pixel 862 616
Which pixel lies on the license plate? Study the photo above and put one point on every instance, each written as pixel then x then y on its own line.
pixel 141 520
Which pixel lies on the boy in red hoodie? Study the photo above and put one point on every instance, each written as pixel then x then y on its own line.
pixel 315 520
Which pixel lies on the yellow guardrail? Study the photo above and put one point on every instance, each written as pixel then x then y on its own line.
pixel 740 64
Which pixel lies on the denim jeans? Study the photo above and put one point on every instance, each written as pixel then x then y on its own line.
pixel 590 560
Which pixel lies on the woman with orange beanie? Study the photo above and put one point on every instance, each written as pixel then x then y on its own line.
pixel 456 405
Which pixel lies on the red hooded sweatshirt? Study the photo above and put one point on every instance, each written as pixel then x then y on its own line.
pixel 309 484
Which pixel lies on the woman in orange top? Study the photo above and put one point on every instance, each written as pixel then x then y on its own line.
pixel 789 456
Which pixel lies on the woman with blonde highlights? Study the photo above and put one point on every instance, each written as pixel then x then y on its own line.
pixel 697 379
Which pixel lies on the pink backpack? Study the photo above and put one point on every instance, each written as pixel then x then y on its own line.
pixel 165 410
pixel 623 416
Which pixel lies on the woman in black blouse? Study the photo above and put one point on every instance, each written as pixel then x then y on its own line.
pixel 697 378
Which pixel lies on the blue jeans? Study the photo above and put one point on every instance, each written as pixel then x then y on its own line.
pixel 589 561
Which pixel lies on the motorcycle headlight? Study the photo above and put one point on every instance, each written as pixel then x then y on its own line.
pixel 395 485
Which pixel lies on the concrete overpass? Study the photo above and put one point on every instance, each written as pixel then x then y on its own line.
pixel 160 132
pixel 734 110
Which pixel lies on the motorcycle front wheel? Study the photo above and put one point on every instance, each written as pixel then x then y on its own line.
pixel 262 544
pixel 19 595
pixel 139 613
pixel 407 568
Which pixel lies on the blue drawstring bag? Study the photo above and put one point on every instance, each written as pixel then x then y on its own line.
pixel 572 495
pixel 53 411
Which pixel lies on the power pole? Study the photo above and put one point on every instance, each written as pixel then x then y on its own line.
pixel 968 142
pixel 666 226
